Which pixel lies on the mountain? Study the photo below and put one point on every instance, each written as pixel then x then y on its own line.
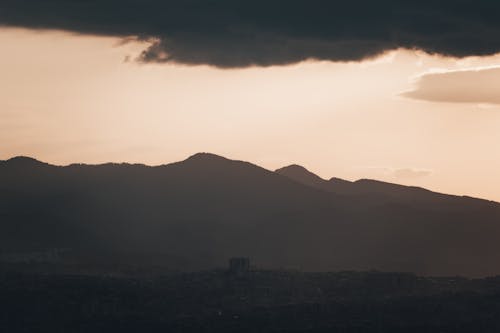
pixel 303 176
pixel 378 190
pixel 197 213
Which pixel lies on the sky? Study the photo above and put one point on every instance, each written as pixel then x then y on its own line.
pixel 410 113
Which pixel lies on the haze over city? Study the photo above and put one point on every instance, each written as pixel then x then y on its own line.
pixel 300 166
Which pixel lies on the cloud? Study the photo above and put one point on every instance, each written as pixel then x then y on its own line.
pixel 409 173
pixel 397 173
pixel 480 85
pixel 229 33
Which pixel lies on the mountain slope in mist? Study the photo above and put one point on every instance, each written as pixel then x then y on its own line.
pixel 197 213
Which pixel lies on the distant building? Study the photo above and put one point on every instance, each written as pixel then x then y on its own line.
pixel 46 256
pixel 239 265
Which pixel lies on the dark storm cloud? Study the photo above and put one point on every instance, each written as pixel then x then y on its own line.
pixel 232 33
pixel 480 86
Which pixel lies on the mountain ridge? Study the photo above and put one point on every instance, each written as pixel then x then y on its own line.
pixel 195 214
pixel 296 172
pixel 360 186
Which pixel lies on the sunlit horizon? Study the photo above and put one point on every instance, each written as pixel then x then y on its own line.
pixel 84 99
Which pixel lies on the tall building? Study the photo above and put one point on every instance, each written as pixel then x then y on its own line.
pixel 239 265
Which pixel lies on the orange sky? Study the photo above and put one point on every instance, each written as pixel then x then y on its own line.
pixel 66 98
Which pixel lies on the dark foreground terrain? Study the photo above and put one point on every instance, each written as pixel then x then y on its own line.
pixel 260 301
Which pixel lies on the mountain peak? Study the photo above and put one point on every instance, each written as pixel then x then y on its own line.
pixel 203 156
pixel 294 168
pixel 301 175
pixel 23 161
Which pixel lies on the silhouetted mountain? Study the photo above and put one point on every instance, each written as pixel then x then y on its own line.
pixel 302 175
pixel 383 191
pixel 197 213
pixel 22 162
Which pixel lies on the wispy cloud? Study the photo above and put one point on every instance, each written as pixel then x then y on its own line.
pixel 409 173
pixel 397 173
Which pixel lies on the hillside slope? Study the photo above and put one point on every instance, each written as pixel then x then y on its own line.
pixel 197 213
